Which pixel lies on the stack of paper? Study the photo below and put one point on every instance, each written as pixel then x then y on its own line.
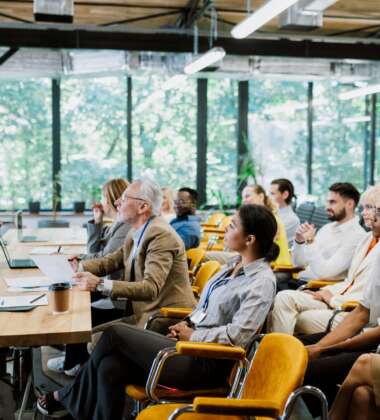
pixel 23 284
pixel 22 301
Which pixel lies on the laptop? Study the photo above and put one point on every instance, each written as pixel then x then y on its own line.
pixel 16 263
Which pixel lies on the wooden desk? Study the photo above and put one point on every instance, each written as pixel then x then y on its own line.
pixel 40 327
pixel 56 236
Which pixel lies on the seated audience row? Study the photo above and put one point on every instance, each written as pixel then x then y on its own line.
pixel 232 308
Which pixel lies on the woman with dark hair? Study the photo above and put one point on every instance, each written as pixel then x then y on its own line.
pixel 231 309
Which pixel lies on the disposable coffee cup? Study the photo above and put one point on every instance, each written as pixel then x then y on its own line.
pixel 59 298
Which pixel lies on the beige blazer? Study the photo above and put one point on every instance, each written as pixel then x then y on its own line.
pixel 357 276
pixel 161 272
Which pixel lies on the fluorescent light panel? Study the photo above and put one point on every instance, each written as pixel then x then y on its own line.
pixel 210 57
pixel 259 18
pixel 357 93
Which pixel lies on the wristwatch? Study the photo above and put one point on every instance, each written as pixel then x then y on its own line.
pixel 100 286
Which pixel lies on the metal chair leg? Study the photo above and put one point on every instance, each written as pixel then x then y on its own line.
pixel 25 397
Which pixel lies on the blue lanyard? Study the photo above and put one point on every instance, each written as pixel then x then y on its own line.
pixel 220 281
pixel 140 239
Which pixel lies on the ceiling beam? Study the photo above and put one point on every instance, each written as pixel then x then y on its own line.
pixel 35 36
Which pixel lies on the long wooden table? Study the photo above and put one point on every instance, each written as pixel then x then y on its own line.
pixel 39 326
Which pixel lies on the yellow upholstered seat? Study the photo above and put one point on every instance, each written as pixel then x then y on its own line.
pixel 207 270
pixel 195 256
pixel 276 371
pixel 214 220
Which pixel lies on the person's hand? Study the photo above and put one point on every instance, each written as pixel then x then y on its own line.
pixel 86 281
pixel 74 262
pixel 180 331
pixel 321 295
pixel 98 213
pixel 314 351
pixel 305 233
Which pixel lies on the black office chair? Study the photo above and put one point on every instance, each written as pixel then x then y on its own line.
pixel 305 211
pixel 319 217
pixel 59 223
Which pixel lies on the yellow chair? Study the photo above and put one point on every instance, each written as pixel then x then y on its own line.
pixel 204 274
pixel 316 284
pixel 349 306
pixel 284 257
pixel 195 256
pixel 269 390
pixel 214 220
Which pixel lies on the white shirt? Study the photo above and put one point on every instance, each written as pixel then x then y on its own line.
pixel 330 255
pixel 371 295
pixel 291 222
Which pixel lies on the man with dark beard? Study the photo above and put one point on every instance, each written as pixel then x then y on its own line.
pixel 328 253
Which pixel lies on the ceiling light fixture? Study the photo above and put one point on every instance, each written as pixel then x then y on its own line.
pixel 259 18
pixel 210 57
pixel 357 93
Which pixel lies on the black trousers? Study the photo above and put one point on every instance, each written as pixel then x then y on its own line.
pixel 77 353
pixel 327 371
pixel 123 355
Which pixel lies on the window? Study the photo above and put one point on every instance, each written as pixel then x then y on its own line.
pixel 277 131
pixel 25 138
pixel 93 136
pixel 164 129
pixel 222 141
pixel 338 153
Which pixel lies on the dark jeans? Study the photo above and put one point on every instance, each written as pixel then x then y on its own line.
pixel 123 355
pixel 327 371
pixel 77 353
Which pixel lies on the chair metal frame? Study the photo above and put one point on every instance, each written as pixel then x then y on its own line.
pixel 289 406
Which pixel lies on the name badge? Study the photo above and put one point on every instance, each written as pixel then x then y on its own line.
pixel 197 317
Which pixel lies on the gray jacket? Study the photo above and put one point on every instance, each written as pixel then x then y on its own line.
pixel 105 239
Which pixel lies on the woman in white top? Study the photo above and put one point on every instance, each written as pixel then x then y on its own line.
pixel 167 207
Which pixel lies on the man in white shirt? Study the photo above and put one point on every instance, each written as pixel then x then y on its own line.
pixel 328 254
pixel 282 192
pixel 308 312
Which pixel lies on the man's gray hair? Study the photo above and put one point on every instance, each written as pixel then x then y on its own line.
pixel 152 193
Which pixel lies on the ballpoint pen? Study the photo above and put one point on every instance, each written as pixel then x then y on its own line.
pixel 59 249
pixel 37 298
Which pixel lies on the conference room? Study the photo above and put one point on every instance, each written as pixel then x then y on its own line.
pixel 189 204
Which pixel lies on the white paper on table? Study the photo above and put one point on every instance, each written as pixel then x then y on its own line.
pixel 24 300
pixel 27 282
pixel 28 289
pixel 44 250
pixel 56 267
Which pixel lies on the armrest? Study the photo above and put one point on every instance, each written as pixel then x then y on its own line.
pixel 212 350
pixel 283 268
pixel 317 284
pixel 349 305
pixel 249 407
pixel 214 229
pixel 208 225
pixel 175 312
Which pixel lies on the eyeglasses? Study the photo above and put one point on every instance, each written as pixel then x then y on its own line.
pixel 130 197
pixel 370 207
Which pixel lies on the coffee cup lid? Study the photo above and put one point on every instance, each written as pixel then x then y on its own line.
pixel 59 286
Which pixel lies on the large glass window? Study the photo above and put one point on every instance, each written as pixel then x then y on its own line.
pixel 339 137
pixel 222 141
pixel 164 129
pixel 93 136
pixel 25 138
pixel 278 131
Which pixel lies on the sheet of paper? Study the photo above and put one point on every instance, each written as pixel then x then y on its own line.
pixel 24 300
pixel 56 267
pixel 27 282
pixel 44 250
pixel 28 289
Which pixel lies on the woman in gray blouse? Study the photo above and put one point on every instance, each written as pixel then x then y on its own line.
pixel 102 239
pixel 232 308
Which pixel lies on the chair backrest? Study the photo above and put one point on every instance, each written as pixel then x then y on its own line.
pixel 305 211
pixel 47 223
pixel 225 222
pixel 277 369
pixel 194 258
pixel 319 217
pixel 215 219
pixel 204 274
